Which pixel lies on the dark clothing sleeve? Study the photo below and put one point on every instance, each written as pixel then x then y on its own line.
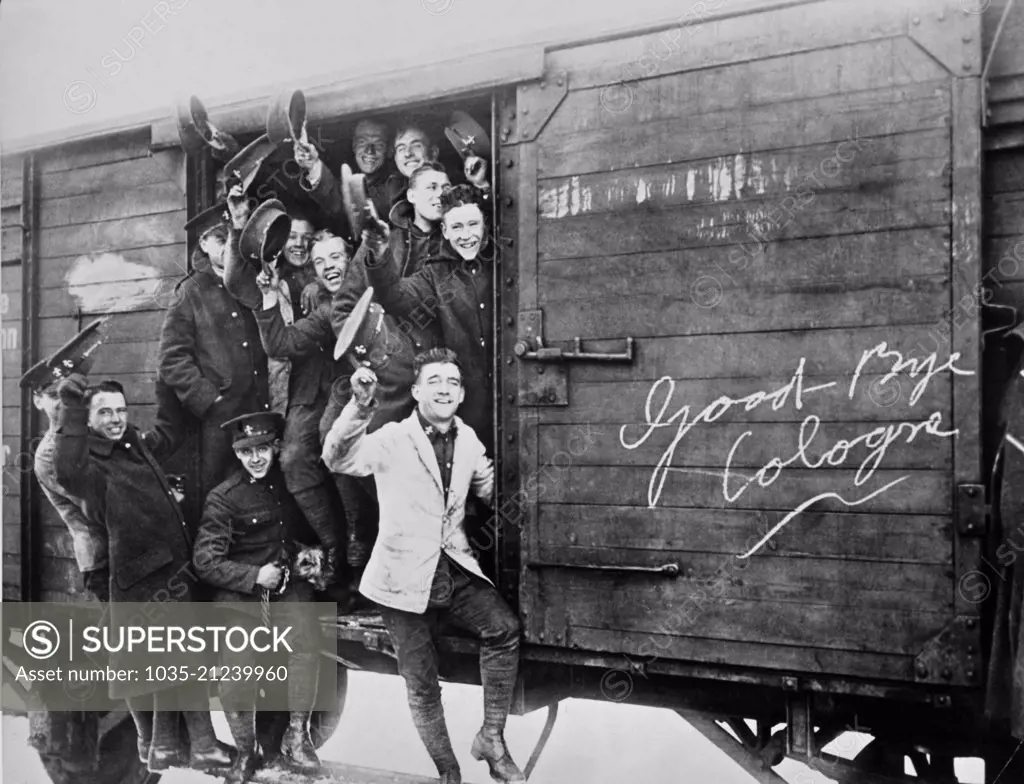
pixel 303 338
pixel 213 544
pixel 413 298
pixel 168 432
pixel 178 365
pixel 76 472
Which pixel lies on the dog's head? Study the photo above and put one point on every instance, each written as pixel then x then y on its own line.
pixel 310 564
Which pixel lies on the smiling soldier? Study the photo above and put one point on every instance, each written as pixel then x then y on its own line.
pixel 422 570
pixel 250 530
pixel 313 370
pixel 306 343
pixel 452 289
pixel 371 148
pixel 112 466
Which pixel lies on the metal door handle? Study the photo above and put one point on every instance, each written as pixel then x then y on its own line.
pixel 667 570
pixel 544 354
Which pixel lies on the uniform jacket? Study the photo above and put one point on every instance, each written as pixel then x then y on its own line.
pixel 210 346
pixel 309 345
pixel 417 522
pixel 246 523
pixel 409 247
pixel 123 485
pixel 383 188
pixel 88 537
pixel 454 296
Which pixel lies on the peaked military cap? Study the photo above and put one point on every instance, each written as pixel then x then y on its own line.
pixel 209 219
pixel 243 167
pixel 196 132
pixel 265 233
pixel 286 117
pixel 263 427
pixel 357 332
pixel 72 357
pixel 467 136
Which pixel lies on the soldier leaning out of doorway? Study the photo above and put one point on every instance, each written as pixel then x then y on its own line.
pixel 210 350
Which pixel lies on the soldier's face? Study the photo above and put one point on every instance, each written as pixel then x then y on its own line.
pixel 213 243
pixel 425 194
pixel 47 401
pixel 412 150
pixel 108 414
pixel 256 459
pixel 296 251
pixel 370 145
pixel 330 260
pixel 463 227
pixel 438 391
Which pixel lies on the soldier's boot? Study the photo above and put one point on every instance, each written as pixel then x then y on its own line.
pixel 499 666
pixel 296 746
pixel 428 718
pixel 163 751
pixel 489 745
pixel 142 715
pixel 243 730
pixel 207 753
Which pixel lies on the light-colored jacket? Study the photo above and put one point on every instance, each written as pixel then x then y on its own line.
pixel 415 523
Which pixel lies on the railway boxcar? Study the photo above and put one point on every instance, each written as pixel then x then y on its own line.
pixel 757 265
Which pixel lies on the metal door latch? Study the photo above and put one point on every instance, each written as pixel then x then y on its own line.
pixel 666 570
pixel 543 354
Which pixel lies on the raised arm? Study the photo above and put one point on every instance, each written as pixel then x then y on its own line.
pixel 213 545
pixel 76 472
pixel 303 338
pixel 168 431
pixel 322 186
pixel 347 447
pixel 407 299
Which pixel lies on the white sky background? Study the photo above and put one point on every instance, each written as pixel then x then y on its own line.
pixel 225 47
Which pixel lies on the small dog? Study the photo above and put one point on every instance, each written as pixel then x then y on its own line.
pixel 310 564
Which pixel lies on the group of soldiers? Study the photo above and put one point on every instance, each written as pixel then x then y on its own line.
pixel 372 469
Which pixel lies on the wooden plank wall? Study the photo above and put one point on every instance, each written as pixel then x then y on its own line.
pixel 111 242
pixel 10 346
pixel 645 193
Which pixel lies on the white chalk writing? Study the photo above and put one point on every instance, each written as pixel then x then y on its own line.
pixel 878 440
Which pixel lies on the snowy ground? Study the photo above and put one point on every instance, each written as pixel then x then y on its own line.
pixel 593 742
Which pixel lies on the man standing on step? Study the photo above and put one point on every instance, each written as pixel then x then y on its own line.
pixel 422 570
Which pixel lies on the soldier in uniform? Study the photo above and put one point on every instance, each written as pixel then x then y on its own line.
pixel 88 537
pixel 308 344
pixel 103 459
pixel 451 290
pixel 251 527
pixel 371 147
pixel 210 350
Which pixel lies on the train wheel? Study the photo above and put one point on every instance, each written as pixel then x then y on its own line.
pixel 67 745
